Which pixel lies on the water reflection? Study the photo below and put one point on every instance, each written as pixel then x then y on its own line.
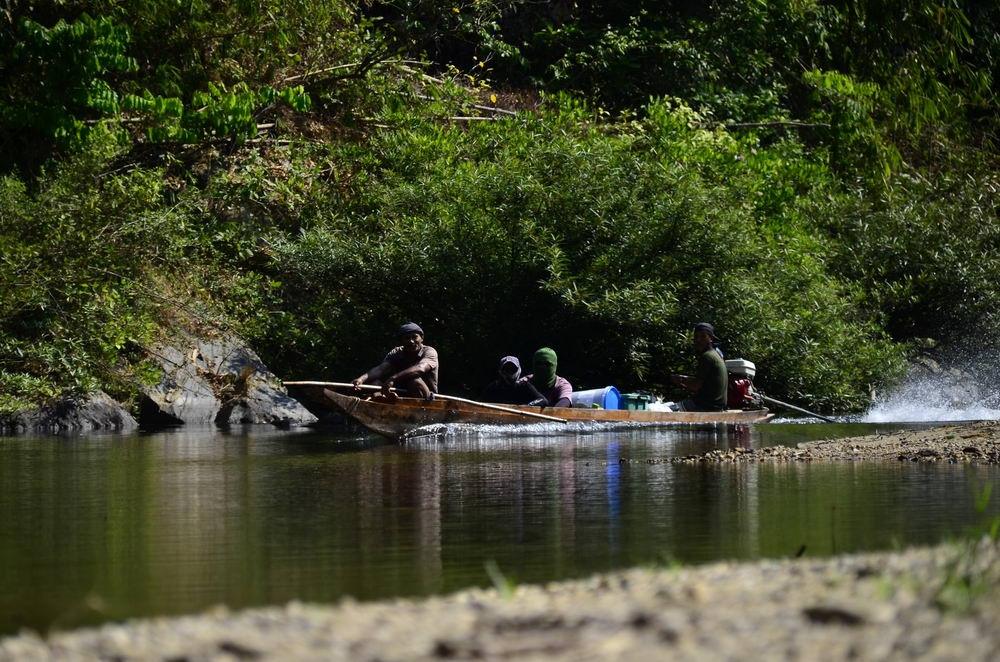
pixel 99 528
pixel 613 488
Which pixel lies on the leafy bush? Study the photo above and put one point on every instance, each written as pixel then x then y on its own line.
pixel 814 178
pixel 606 242
pixel 184 72
pixel 79 264
pixel 918 69
pixel 925 252
pixel 55 79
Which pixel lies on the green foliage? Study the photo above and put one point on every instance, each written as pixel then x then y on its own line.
pixel 78 260
pixel 503 584
pixel 925 252
pixel 20 391
pixel 888 77
pixel 847 107
pixel 182 72
pixel 814 178
pixel 968 578
pixel 101 255
pixel 216 112
pixel 607 245
pixel 187 45
pixel 57 78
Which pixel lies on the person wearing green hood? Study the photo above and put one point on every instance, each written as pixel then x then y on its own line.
pixel 551 389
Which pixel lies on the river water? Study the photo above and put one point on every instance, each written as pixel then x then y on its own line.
pixel 96 528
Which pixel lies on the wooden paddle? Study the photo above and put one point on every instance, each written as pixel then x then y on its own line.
pixel 451 398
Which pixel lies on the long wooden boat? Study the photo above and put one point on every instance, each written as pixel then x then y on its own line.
pixel 403 415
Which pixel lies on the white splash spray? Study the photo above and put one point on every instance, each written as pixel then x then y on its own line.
pixel 932 394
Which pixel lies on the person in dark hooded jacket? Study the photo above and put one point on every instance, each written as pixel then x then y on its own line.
pixel 506 389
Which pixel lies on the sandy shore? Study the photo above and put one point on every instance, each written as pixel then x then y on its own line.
pixel 940 603
pixel 976 443
pixel 867 607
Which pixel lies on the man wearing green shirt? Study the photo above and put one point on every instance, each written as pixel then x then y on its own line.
pixel 710 381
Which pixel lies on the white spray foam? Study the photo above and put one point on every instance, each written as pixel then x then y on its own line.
pixel 948 396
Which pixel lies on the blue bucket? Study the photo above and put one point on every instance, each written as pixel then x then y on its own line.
pixel 605 398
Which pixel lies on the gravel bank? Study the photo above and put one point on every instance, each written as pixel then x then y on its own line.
pixel 875 606
pixel 977 443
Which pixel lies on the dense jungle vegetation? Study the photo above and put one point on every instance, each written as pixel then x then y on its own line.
pixel 818 179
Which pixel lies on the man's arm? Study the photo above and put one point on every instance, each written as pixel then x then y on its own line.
pixel 686 381
pixel 425 364
pixel 375 373
pixel 537 399
pixel 417 369
pixel 702 372
pixel 563 396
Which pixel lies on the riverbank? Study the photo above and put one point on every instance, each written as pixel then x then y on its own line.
pixel 975 443
pixel 908 604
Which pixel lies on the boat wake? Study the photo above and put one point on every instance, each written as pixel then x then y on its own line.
pixel 526 430
pixel 465 431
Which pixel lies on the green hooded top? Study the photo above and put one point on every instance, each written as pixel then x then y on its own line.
pixel 544 368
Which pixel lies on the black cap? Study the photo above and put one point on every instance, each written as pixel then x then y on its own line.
pixel 708 328
pixel 408 329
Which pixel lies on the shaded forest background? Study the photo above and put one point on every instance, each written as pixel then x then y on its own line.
pixel 818 179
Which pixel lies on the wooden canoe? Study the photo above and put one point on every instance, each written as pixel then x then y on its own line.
pixel 395 419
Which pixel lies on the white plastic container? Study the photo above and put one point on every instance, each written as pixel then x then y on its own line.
pixel 741 368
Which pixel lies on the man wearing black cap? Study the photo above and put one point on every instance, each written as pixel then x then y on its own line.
pixel 411 368
pixel 710 382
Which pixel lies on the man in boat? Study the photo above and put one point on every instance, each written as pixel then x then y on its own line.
pixel 710 380
pixel 549 389
pixel 411 367
pixel 506 389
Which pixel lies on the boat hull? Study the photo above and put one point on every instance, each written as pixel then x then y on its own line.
pixel 397 418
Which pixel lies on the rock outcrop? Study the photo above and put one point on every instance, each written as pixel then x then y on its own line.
pixel 216 380
pixel 86 413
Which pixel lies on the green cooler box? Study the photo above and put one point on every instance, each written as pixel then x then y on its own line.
pixel 636 400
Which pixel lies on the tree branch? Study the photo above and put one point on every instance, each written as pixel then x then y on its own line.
pixel 756 125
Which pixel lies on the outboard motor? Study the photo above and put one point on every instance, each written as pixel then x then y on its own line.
pixel 740 394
